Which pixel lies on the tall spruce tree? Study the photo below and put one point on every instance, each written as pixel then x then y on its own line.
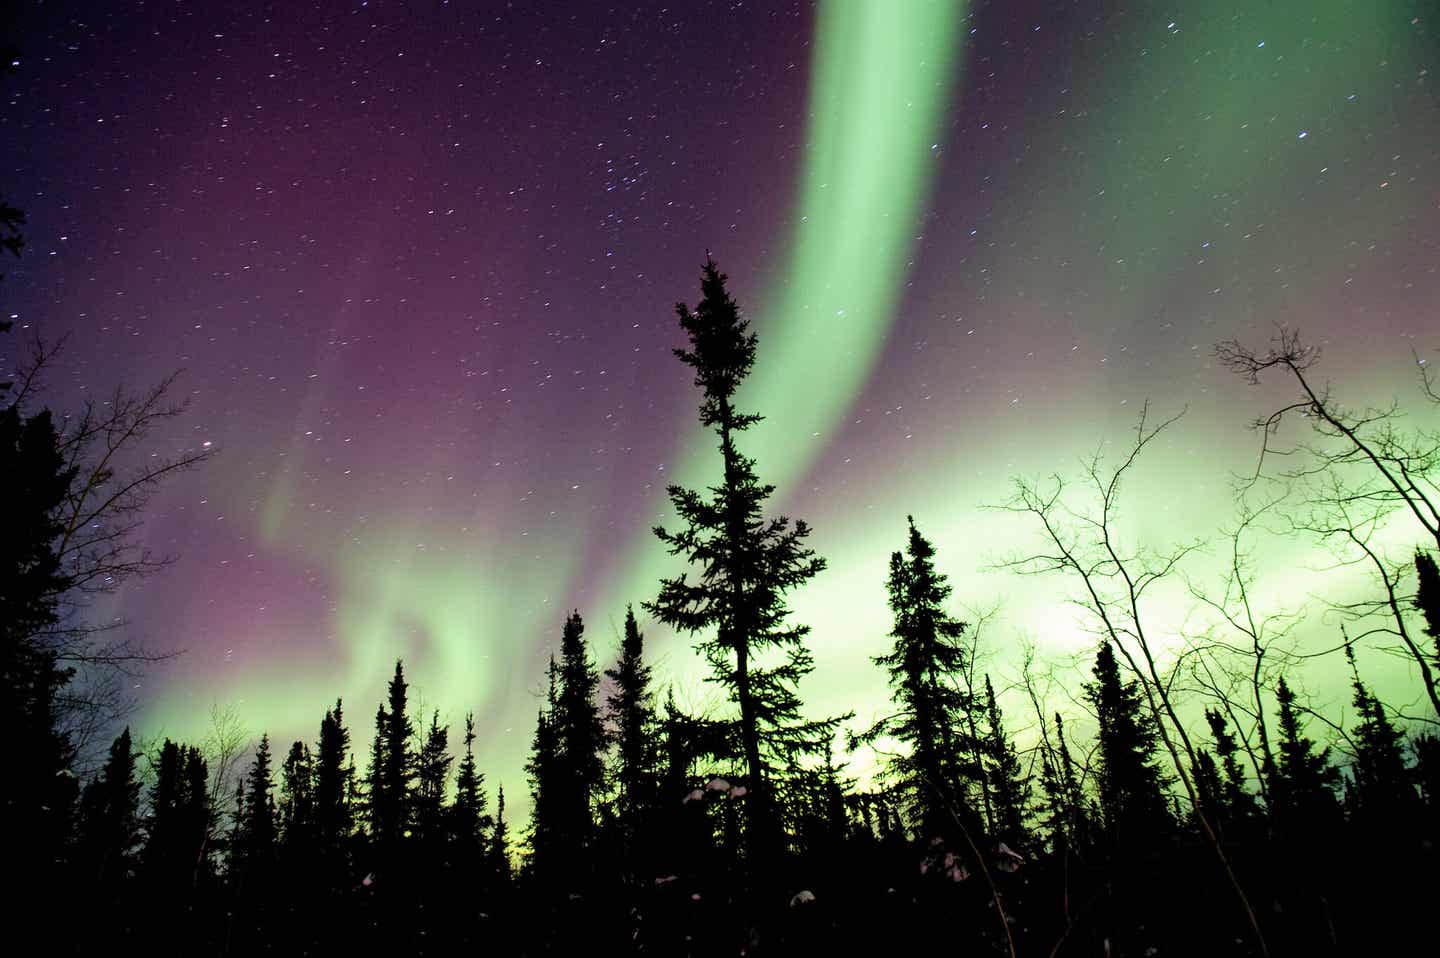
pixel 34 482
pixel 468 819
pixel 295 811
pixel 197 814
pixel 258 830
pixel 333 814
pixel 580 740
pixel 544 772
pixel 1009 786
pixel 631 708
pixel 392 809
pixel 432 777
pixel 375 774
pixel 1133 806
pixel 1302 790
pixel 111 816
pixel 1071 819
pixel 1427 597
pixel 165 812
pixel 924 665
pixel 498 848
pixel 747 565
pixel 235 841
pixel 1224 787
pixel 179 817
pixel 1382 791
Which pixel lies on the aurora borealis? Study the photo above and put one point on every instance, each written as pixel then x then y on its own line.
pixel 419 263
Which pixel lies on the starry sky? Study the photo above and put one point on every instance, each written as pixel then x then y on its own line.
pixel 418 263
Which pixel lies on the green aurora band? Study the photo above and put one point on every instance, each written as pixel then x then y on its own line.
pixel 882 77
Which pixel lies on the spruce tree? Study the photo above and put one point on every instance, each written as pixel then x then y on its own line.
pixel 1426 748
pixel 1131 785
pixel 468 818
pixel 1383 792
pixel 258 831
pixel 580 742
pixel 196 815
pixel 333 815
pixel 1209 790
pixel 498 848
pixel 1009 786
pixel 110 811
pixel 235 841
pixel 1302 791
pixel 179 817
pixel 544 772
pixel 1427 597
pixel 747 565
pixel 432 767
pixel 1237 801
pixel 165 810
pixel 631 709
pixel 924 666
pixel 375 799
pixel 1055 817
pixel 295 812
pixel 39 796
pixel 1077 813
pixel 392 808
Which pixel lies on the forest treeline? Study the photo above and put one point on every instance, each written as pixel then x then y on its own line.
pixel 1213 811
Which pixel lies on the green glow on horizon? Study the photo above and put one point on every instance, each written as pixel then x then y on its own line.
pixel 462 614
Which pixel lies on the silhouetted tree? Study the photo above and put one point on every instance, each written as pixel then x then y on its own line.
pixel 375 774
pixel 392 803
pixel 748 564
pixel 580 742
pixel 432 778
pixel 109 483
pixel 1426 748
pixel 198 814
pixel 1131 783
pixel 468 818
pixel 235 841
pixel 632 712
pixel 1224 786
pixel 1067 821
pixel 295 811
pixel 333 811
pixel 923 665
pixel 1009 785
pixel 1382 791
pixel 1361 467
pixel 259 832
pixel 179 817
pixel 544 771
pixel 34 480
pixel 110 810
pixel 1427 597
pixel 1303 790
pixel 498 849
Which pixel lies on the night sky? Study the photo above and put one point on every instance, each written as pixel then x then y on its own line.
pixel 418 262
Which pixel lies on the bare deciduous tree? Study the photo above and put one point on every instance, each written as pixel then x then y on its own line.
pixel 110 445
pixel 1114 584
pixel 1235 665
pixel 1358 470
